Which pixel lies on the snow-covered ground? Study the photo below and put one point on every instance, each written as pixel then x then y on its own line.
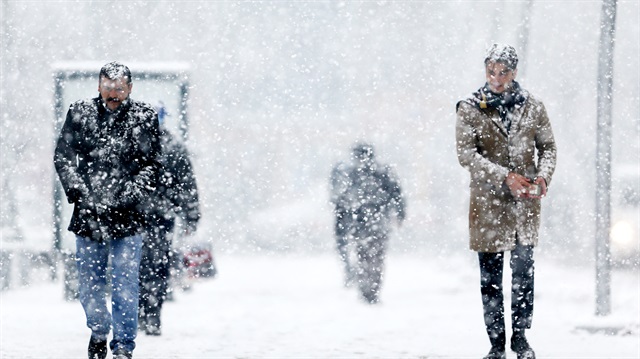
pixel 296 307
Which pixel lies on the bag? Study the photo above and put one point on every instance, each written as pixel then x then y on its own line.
pixel 198 261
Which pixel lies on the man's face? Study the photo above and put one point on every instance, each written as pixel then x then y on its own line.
pixel 499 76
pixel 113 92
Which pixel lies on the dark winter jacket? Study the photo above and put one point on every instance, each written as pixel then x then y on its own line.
pixel 176 194
pixel 107 164
pixel 369 195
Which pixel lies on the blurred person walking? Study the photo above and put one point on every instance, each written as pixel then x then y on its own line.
pixel 504 139
pixel 176 197
pixel 106 159
pixel 369 192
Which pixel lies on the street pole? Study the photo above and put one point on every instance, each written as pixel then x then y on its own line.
pixel 523 37
pixel 603 158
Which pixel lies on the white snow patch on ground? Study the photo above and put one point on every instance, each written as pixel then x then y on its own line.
pixel 297 307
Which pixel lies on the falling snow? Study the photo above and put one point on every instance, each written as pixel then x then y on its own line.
pixel 278 91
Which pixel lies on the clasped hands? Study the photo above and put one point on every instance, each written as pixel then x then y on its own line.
pixel 522 187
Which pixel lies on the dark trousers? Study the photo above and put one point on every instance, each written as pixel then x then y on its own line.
pixel 370 235
pixel 154 269
pixel 491 269
pixel 371 255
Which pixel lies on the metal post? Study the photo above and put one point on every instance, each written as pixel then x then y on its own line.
pixel 182 107
pixel 57 189
pixel 523 37
pixel 603 158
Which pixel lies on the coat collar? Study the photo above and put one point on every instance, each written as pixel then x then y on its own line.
pixel 492 113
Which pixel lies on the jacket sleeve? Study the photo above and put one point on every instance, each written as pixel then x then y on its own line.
pixel 186 199
pixel 546 145
pixel 65 158
pixel 482 170
pixel 399 202
pixel 392 186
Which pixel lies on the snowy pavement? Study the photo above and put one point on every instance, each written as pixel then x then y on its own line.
pixel 296 307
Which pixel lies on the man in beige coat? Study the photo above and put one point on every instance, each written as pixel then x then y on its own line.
pixel 504 139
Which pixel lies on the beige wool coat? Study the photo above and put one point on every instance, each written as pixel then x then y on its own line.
pixel 497 218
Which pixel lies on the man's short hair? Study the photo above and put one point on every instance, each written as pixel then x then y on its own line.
pixel 504 54
pixel 115 70
pixel 362 151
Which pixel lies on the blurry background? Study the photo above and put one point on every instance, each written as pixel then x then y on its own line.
pixel 280 90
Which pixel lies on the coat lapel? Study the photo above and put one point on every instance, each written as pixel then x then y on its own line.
pixel 495 118
pixel 516 117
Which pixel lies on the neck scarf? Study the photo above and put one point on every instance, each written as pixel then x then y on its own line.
pixel 503 102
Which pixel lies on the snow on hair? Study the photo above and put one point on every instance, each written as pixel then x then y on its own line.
pixel 115 70
pixel 502 53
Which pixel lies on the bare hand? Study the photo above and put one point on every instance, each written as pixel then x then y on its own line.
pixel 518 185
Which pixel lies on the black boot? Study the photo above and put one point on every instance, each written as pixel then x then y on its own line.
pixel 97 348
pixel 520 345
pixel 498 338
pixel 122 354
pixel 153 326
pixel 142 320
pixel 496 353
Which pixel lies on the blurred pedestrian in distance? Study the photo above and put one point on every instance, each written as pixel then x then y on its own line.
pixel 504 139
pixel 106 159
pixel 365 193
pixel 176 197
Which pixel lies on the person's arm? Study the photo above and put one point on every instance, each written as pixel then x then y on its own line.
pixel 65 159
pixel 391 185
pixel 398 200
pixel 546 146
pixel 185 188
pixel 481 168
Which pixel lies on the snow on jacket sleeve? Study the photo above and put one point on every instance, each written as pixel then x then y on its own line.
pixel 186 199
pixel 545 144
pixel 65 160
pixel 392 186
pixel 481 168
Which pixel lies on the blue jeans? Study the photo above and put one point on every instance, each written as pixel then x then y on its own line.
pixel 92 258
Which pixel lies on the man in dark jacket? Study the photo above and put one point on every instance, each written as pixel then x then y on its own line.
pixel 176 196
pixel 370 195
pixel 106 160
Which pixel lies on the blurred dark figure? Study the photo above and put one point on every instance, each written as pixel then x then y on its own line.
pixel 369 192
pixel 176 196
